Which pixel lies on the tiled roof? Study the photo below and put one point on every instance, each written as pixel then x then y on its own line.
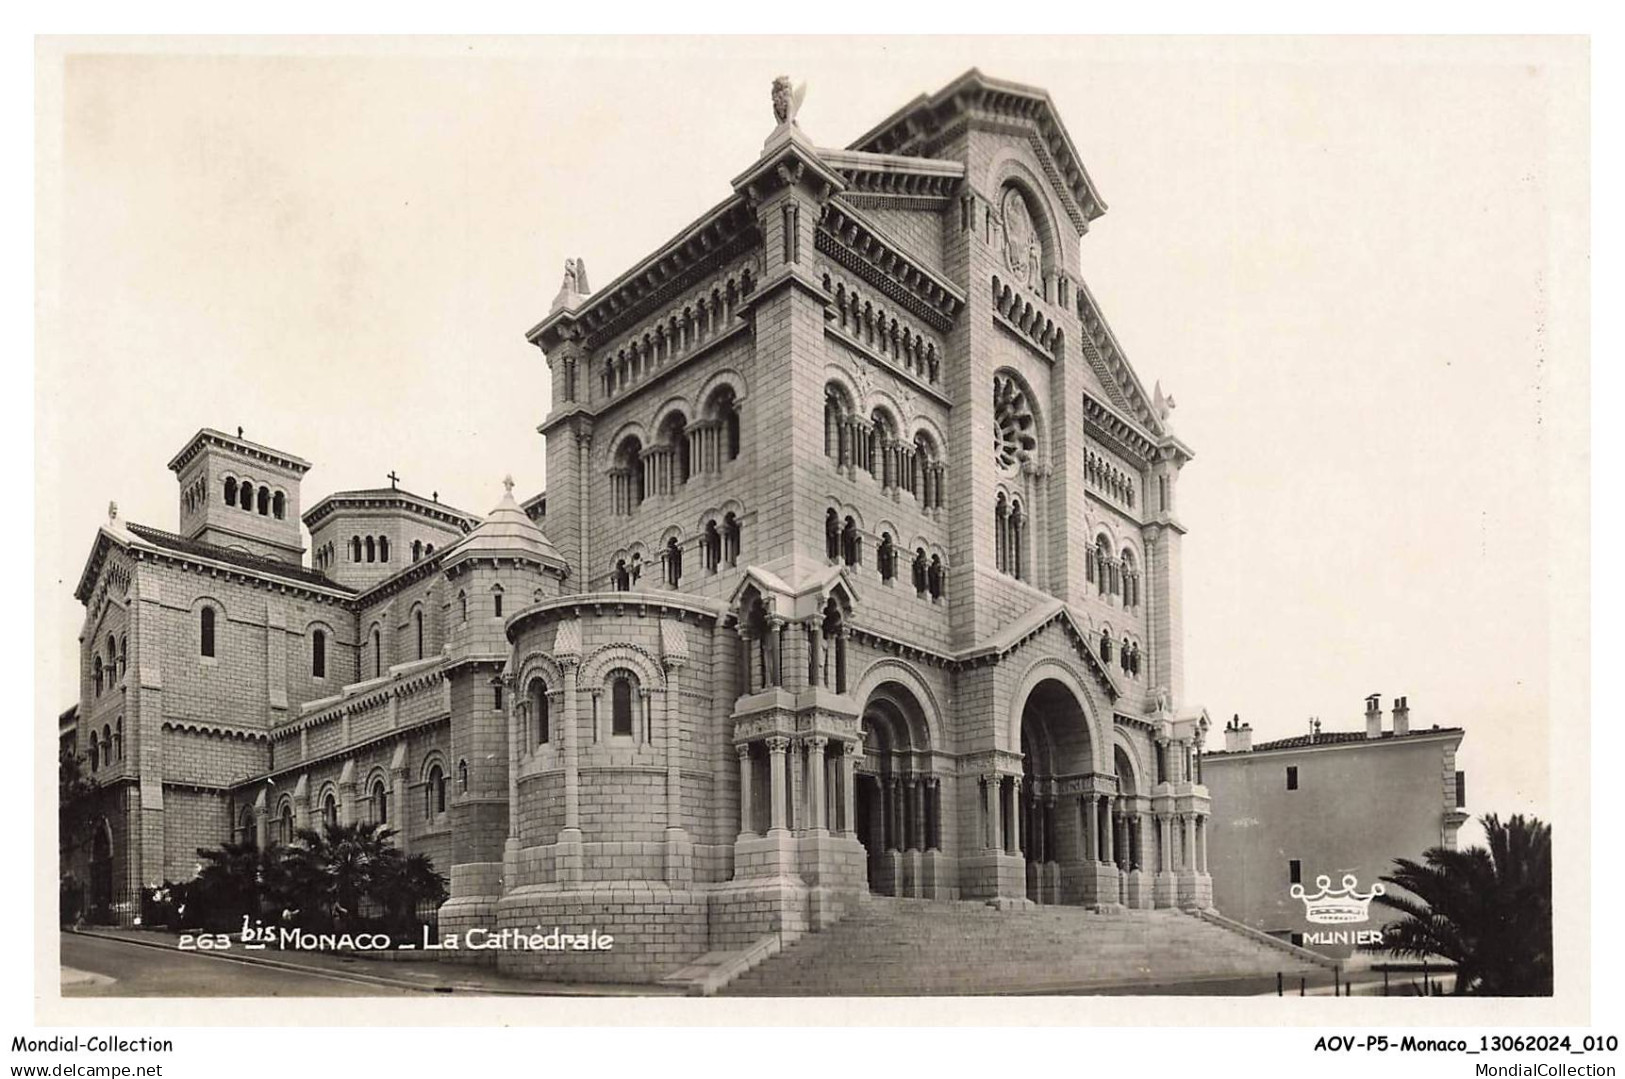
pixel 256 563
pixel 1302 741
pixel 326 505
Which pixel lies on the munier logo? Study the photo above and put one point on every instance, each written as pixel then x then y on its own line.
pixel 1340 907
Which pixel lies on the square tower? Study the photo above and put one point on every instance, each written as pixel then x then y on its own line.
pixel 240 494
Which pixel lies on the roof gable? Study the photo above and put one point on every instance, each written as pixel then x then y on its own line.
pixel 913 130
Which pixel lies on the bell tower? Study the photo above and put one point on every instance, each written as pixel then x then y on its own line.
pixel 239 494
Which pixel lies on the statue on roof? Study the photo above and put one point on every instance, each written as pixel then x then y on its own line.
pixel 575 284
pixel 787 102
pixel 1162 405
pixel 575 276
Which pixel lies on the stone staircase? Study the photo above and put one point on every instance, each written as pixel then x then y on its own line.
pixel 919 947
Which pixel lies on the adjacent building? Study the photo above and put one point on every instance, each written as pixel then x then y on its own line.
pixel 1306 812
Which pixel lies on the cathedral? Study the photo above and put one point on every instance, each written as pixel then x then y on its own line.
pixel 858 571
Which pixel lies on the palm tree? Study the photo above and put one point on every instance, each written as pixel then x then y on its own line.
pixel 229 883
pixel 335 868
pixel 1486 910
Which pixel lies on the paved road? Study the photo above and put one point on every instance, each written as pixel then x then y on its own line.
pixel 139 971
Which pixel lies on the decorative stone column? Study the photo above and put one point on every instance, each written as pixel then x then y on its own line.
pixel 777 746
pixel 813 628
pixel 992 830
pixel 746 825
pixel 815 790
pixel 679 849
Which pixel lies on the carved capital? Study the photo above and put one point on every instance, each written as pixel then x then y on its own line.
pixel 743 749
pixel 778 744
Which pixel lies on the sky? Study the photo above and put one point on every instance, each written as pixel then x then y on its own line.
pixel 1349 262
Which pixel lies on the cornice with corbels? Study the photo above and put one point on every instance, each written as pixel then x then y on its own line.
pixel 848 239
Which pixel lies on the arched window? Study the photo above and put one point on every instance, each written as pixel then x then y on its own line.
pixel 318 654
pixel 330 810
pixel 674 433
pixel 839 430
pixel 851 544
pixel 96 671
pixel 231 491
pixel 623 576
pixel 711 547
pixel 94 753
pixel 1103 559
pixel 372 549
pixel 886 557
pixel 496 601
pixel 428 550
pixel 538 709
pixel 355 548
pixel 920 568
pixel 245 496
pixel 380 802
pixel 883 450
pixel 832 535
pixel 674 563
pixel 383 548
pixel 462 776
pixel 1018 529
pixel 206 632
pixel 626 478
pixel 936 577
pixel 417 622
pixel 284 825
pixel 434 792
pixel 620 705
pixel 107 744
pixel 118 738
pixel 123 652
pixel 1001 533
pixel 263 501
pixel 724 407
pixel 279 505
pixel 732 539
pixel 1106 645
pixel 377 653
pixel 417 550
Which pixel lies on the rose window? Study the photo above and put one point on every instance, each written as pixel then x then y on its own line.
pixel 1014 434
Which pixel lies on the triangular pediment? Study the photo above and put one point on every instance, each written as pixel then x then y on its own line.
pixel 917 128
pixel 1050 616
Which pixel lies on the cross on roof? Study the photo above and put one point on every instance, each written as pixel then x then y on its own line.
pixel 394 480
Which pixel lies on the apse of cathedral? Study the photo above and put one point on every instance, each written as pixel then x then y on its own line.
pixel 858 571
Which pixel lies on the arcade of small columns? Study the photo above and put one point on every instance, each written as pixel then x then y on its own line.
pixel 1116 830
pixel 659 468
pixel 899 465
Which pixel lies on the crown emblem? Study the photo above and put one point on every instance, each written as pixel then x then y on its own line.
pixel 1339 907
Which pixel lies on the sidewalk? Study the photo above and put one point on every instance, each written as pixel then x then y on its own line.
pixel 427 976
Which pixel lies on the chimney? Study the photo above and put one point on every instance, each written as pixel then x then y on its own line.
pixel 1238 736
pixel 1373 716
pixel 1402 716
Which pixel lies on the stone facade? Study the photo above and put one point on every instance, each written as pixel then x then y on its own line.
pixel 858 569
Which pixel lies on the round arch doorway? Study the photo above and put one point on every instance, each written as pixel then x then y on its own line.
pixel 1056 749
pixel 898 796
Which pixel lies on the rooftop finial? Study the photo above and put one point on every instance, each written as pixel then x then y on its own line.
pixel 574 286
pixel 239 430
pixel 507 483
pixel 112 513
pixel 787 102
pixel 394 480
